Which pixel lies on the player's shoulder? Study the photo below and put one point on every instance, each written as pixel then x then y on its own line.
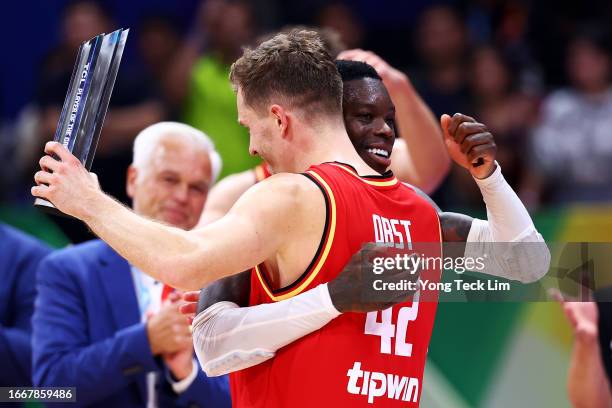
pixel 421 194
pixel 282 191
pixel 288 183
pixel 233 185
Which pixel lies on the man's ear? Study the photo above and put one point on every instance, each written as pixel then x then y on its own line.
pixel 282 119
pixel 130 182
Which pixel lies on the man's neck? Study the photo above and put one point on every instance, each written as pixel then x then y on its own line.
pixel 327 143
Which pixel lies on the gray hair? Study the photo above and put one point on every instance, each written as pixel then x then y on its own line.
pixel 149 138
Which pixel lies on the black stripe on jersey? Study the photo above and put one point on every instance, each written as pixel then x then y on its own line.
pixel 387 174
pixel 319 249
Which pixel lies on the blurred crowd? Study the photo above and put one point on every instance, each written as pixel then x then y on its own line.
pixel 537 74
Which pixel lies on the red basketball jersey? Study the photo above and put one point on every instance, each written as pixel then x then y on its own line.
pixel 358 359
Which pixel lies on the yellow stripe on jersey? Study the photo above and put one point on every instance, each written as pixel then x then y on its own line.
pixel 385 183
pixel 317 267
pixel 259 173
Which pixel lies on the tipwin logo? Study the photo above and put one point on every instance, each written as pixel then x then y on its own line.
pixel 374 385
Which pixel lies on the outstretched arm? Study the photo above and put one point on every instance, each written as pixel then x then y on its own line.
pixel 420 157
pixel 587 384
pixel 473 238
pixel 246 236
pixel 229 338
pixel 521 253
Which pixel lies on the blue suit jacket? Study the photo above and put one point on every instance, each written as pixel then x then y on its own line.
pixel 19 257
pixel 87 333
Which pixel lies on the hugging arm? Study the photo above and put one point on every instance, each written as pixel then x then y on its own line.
pixel 229 338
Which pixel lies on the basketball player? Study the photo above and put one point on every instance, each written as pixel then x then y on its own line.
pixel 262 330
pixel 418 157
pixel 369 119
pixel 294 226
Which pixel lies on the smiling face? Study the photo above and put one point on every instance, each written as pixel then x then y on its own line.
pixel 369 117
pixel 173 185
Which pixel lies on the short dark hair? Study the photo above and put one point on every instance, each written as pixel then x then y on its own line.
pixel 350 70
pixel 596 35
pixel 295 67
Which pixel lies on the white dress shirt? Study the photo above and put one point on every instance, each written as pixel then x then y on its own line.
pixel 148 294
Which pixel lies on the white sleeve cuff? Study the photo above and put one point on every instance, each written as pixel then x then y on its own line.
pixel 182 385
pixel 494 179
pixel 509 239
pixel 508 218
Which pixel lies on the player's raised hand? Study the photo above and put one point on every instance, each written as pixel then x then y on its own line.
pixel 470 144
pixel 65 182
pixel 353 290
pixel 581 315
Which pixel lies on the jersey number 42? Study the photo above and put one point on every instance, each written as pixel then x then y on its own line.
pixel 387 330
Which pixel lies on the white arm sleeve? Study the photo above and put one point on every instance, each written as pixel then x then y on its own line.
pixel 514 248
pixel 228 338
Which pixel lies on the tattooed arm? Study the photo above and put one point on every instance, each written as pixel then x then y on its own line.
pixel 513 247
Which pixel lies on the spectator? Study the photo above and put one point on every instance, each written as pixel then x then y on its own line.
pixel 341 19
pixel 132 106
pixel 200 78
pixel 441 43
pixel 100 325
pixel 511 37
pixel 158 40
pixel 587 383
pixel 441 80
pixel 507 112
pixel 572 145
pixel 19 257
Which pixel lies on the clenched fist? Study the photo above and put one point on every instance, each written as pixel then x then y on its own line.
pixel 469 144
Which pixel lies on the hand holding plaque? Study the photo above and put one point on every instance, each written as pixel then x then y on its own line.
pixel 85 106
